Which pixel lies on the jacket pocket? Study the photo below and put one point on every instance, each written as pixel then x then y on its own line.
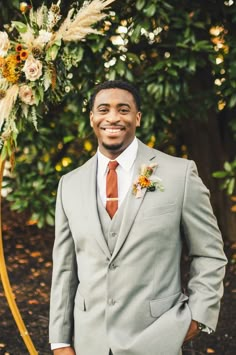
pixel 162 305
pixel 159 210
pixel 80 302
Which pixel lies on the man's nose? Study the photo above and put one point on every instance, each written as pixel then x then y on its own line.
pixel 113 116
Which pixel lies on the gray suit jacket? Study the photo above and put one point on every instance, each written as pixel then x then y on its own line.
pixel 132 301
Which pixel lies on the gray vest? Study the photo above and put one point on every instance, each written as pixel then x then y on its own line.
pixel 110 227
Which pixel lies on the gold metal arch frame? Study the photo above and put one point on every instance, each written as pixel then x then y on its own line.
pixel 6 283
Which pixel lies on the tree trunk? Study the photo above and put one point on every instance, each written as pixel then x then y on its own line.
pixel 206 147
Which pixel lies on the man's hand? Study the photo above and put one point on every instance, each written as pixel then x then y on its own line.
pixel 193 331
pixel 64 351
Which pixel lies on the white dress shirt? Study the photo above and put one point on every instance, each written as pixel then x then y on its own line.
pixel 124 171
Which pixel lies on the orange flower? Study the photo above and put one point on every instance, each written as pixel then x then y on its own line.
pixel 24 55
pixel 144 181
pixel 2 61
pixel 18 59
pixel 10 70
pixel 24 7
pixel 19 48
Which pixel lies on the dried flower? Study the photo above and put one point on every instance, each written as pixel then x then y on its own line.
pixel 53 16
pixel 4 44
pixel 55 8
pixel 36 52
pixel 5 135
pixel 6 106
pixel 43 38
pixel 2 94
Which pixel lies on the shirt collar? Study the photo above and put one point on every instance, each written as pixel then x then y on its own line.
pixel 125 159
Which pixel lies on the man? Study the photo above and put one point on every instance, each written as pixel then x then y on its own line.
pixel 116 286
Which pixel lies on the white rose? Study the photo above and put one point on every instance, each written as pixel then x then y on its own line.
pixel 32 68
pixel 4 43
pixel 26 95
pixel 44 37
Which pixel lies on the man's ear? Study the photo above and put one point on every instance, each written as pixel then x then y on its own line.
pixel 91 118
pixel 138 119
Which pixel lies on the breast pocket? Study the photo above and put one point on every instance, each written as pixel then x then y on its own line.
pixel 159 210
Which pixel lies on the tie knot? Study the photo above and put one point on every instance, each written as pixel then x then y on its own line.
pixel 113 165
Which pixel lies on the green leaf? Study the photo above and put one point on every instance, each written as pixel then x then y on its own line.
pixel 219 174
pixel 140 4
pixel 133 57
pixel 50 219
pixel 136 33
pixel 192 64
pixel 152 88
pixel 232 101
pixel 150 10
pixel 39 95
pixel 231 185
pixel 68 139
pixel 35 216
pixel 198 24
pixel 112 74
pixel 41 222
pixel 120 67
pixel 129 75
pixel 20 26
pixel 52 53
pixel 227 166
pixel 202 46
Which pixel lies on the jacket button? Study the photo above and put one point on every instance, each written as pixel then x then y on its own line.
pixel 113 266
pixel 111 301
pixel 113 234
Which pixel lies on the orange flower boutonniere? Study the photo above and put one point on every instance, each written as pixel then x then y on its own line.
pixel 147 181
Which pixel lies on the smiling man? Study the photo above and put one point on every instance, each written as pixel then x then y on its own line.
pixel 120 225
pixel 114 118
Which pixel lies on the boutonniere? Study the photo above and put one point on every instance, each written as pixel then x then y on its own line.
pixel 147 180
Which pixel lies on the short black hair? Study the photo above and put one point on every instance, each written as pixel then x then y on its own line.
pixel 116 84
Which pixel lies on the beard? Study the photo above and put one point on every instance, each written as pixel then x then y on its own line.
pixel 112 147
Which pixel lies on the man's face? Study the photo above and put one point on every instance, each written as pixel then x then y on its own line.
pixel 114 118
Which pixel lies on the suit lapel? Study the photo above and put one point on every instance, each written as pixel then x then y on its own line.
pixel 91 196
pixel 146 156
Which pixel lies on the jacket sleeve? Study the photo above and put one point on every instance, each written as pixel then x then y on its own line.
pixel 205 245
pixel 64 277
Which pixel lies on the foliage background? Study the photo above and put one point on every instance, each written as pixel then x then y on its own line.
pixel 181 55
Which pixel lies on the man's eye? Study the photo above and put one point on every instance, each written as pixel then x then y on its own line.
pixel 124 110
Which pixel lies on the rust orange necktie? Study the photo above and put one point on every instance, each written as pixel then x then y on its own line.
pixel 112 188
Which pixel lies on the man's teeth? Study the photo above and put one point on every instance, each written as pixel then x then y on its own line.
pixel 112 130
